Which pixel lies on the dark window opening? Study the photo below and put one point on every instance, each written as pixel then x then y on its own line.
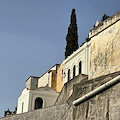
pixel 22 106
pixel 62 74
pixel 69 75
pixel 80 67
pixel 74 71
pixel 38 103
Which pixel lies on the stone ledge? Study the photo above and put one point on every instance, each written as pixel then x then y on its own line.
pixel 104 25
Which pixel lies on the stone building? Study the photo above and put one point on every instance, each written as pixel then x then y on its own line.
pixel 31 99
pixel 39 92
pixel 49 78
pixel 100 55
pixel 105 47
pixel 77 63
pixel 96 62
pixel 94 58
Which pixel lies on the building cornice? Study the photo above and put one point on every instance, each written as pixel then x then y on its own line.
pixel 104 25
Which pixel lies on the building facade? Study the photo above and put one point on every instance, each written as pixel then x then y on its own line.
pixel 33 97
pixel 77 63
pixel 105 47
pixel 94 58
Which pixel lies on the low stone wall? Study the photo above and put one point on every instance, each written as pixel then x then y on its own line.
pixel 50 113
pixel 104 106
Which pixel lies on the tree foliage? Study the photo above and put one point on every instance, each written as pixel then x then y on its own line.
pixel 104 17
pixel 72 36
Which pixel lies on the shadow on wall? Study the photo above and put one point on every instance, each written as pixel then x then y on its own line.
pixel 67 89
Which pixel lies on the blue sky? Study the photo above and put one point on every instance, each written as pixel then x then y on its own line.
pixel 32 38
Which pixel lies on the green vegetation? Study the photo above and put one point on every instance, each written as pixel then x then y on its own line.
pixel 104 17
pixel 72 36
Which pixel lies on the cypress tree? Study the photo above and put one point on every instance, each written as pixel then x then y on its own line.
pixel 72 36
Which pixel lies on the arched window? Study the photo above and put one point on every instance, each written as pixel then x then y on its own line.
pixel 62 74
pixel 80 67
pixel 38 103
pixel 68 74
pixel 74 71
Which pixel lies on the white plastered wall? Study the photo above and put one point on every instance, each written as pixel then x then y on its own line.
pixel 44 79
pixel 23 101
pixel 49 96
pixel 83 55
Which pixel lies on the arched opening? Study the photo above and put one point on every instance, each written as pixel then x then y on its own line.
pixel 38 103
pixel 68 74
pixel 62 74
pixel 74 71
pixel 80 67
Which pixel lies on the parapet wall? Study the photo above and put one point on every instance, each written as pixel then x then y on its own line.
pixel 104 106
pixel 50 113
pixel 67 89
pixel 105 24
pixel 105 47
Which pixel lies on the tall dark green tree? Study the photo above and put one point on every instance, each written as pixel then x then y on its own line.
pixel 72 36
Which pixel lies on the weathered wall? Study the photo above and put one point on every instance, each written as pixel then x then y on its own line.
pixel 53 79
pixel 28 83
pixel 104 106
pixel 44 79
pixel 32 83
pixel 59 78
pixel 50 113
pixel 105 47
pixel 68 89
